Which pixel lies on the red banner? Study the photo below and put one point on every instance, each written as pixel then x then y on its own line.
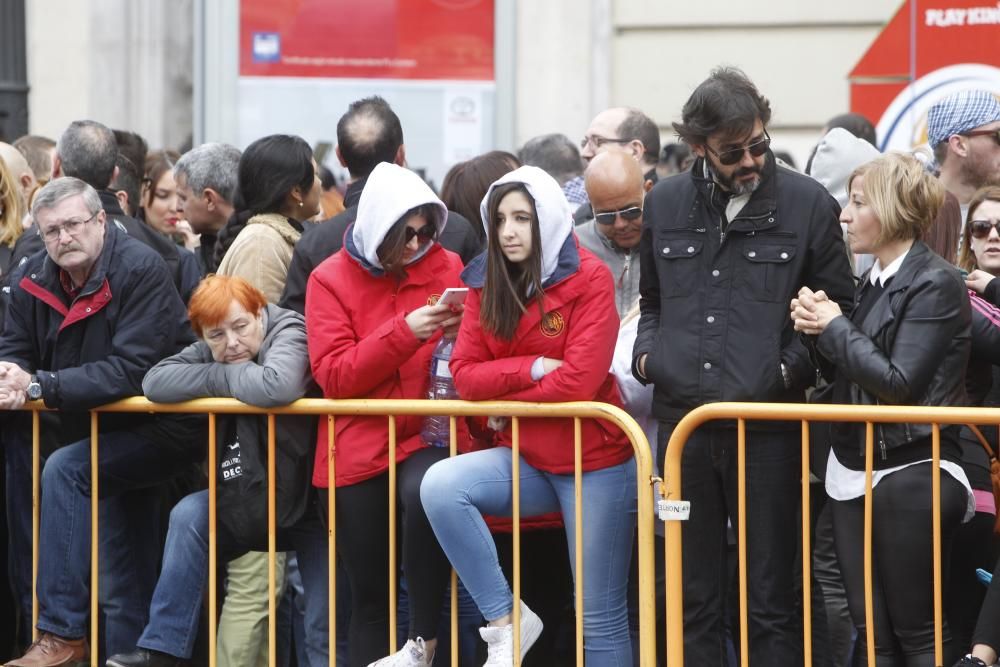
pixel 367 39
pixel 926 51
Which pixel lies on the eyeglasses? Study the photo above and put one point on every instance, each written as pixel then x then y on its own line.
pixel 980 229
pixel 597 141
pixel 995 134
pixel 72 227
pixel 628 214
pixel 756 149
pixel 426 233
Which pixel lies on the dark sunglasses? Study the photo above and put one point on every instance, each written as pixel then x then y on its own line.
pixel 733 156
pixel 426 233
pixel 994 134
pixel 628 214
pixel 980 229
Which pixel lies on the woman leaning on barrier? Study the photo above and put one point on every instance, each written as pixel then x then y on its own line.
pixel 905 343
pixel 373 323
pixel 541 325
pixel 256 353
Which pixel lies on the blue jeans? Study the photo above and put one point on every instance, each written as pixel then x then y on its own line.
pixel 173 614
pixel 130 466
pixel 457 492
pixel 708 471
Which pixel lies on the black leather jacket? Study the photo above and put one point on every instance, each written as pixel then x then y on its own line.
pixel 715 297
pixel 911 349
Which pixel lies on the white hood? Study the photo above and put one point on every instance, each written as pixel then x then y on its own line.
pixel 838 154
pixel 555 217
pixel 389 193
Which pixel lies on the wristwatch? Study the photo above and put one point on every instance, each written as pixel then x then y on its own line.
pixel 34 390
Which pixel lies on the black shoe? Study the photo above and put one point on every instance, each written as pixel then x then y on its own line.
pixel 142 657
pixel 969 661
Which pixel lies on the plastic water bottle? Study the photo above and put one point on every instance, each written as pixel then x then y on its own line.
pixel 437 428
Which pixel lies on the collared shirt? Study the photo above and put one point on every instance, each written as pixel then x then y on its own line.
pixel 842 483
pixel 67 284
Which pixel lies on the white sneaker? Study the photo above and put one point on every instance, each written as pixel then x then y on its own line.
pixel 413 654
pixel 501 640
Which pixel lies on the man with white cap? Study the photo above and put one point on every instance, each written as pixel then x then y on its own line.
pixel 963 129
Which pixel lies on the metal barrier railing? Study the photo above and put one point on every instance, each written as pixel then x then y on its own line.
pixel 795 412
pixel 390 409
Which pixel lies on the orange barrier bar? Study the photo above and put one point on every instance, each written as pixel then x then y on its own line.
pixel 806 552
pixel 515 452
pixel 578 516
pixel 741 464
pixel 452 451
pixel 393 569
pixel 94 543
pixel 936 529
pixel 869 605
pixel 36 511
pixel 213 547
pixel 867 414
pixel 272 544
pixel 390 408
pixel 331 522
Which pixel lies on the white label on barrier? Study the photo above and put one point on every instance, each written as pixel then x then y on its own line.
pixel 673 510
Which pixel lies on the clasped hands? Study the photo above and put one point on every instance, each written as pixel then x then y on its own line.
pixel 811 312
pixel 13 385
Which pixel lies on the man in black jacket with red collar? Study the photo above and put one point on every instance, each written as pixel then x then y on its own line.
pixel 87 318
pixel 724 248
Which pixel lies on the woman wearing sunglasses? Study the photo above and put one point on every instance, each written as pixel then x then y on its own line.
pixel 906 342
pixel 974 544
pixel 372 325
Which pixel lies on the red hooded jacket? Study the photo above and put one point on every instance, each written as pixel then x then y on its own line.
pixel 580 328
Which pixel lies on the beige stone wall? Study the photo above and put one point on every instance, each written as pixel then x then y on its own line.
pixel 125 63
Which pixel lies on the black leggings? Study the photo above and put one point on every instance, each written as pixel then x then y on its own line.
pixel 363 545
pixel 902 563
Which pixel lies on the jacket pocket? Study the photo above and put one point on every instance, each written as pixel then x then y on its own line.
pixel 678 266
pixel 766 270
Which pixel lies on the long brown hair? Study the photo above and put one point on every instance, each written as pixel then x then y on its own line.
pixel 510 287
pixel 390 251
pixel 967 258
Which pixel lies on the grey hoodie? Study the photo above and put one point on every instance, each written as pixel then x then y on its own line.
pixel 279 376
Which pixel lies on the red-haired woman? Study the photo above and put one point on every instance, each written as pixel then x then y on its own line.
pixel 256 353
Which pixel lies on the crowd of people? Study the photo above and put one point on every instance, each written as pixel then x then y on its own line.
pixel 609 270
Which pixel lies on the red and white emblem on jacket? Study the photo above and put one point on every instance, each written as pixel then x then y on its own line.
pixel 433 299
pixel 552 324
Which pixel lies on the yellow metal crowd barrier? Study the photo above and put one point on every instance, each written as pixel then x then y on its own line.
pixel 331 409
pixel 794 412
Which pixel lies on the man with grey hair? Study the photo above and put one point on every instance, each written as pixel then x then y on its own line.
pixel 89 151
pixel 87 318
pixel 206 179
pixel 560 159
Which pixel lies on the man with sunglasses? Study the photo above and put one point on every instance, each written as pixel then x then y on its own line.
pixel 614 185
pixel 626 131
pixel 963 129
pixel 725 246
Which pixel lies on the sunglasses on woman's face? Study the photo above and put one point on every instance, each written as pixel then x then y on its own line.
pixel 425 233
pixel 980 229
